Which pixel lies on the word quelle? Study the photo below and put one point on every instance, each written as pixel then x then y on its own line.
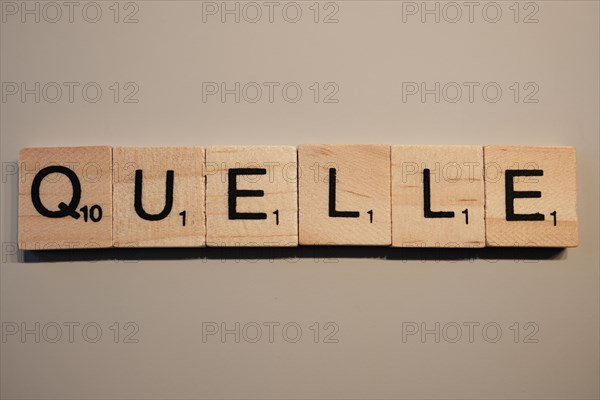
pixel 310 195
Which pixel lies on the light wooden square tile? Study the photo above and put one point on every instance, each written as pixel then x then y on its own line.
pixel 258 206
pixel 437 196
pixel 158 197
pixel 65 198
pixel 531 196
pixel 344 195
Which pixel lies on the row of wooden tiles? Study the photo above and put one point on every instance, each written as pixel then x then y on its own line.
pixel 380 195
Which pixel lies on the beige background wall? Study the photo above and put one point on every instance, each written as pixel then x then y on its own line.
pixel 370 296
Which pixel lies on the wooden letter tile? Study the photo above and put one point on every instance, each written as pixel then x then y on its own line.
pixel 251 196
pixel 437 196
pixel 158 197
pixel 344 195
pixel 530 196
pixel 65 198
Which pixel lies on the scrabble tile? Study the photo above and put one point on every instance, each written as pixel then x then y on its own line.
pixel 158 197
pixel 530 196
pixel 437 196
pixel 344 195
pixel 251 196
pixel 65 198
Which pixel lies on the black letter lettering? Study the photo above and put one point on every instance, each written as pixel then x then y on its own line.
pixel 332 211
pixel 233 192
pixel 511 195
pixel 427 199
pixel 139 209
pixel 64 209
